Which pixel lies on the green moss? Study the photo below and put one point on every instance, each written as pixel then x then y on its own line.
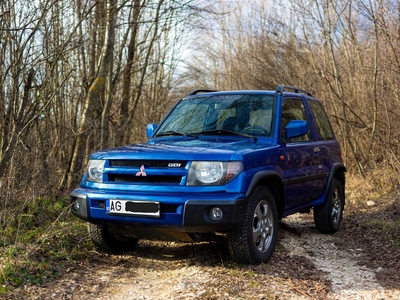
pixel 37 240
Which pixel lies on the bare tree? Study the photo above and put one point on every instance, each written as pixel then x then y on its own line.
pixel 343 51
pixel 94 94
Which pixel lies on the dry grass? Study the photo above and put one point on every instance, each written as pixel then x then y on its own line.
pixel 360 191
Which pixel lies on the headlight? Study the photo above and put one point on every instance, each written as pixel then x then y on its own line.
pixel 94 170
pixel 213 172
pixel 209 171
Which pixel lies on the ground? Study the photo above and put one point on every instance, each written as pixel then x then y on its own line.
pixel 361 261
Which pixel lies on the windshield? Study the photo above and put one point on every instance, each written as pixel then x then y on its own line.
pixel 240 114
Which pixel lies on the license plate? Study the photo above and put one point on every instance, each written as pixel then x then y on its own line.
pixel 134 208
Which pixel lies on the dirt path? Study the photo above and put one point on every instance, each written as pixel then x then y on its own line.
pixel 306 265
pixel 344 268
pixel 349 279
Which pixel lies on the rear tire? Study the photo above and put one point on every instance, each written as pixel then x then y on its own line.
pixel 328 217
pixel 108 242
pixel 254 241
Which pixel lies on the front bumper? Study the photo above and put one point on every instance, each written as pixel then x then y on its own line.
pixel 176 211
pixel 196 216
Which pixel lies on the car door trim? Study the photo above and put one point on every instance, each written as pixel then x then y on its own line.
pixel 305 178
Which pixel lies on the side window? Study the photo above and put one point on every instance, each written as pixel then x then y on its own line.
pixel 293 109
pixel 324 127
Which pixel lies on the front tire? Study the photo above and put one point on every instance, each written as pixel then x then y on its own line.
pixel 254 242
pixel 328 217
pixel 108 242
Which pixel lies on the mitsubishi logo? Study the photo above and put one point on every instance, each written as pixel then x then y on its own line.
pixel 141 172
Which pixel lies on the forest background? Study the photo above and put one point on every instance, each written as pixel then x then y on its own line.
pixel 77 76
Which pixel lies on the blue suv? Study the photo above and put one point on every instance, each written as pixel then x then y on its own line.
pixel 230 162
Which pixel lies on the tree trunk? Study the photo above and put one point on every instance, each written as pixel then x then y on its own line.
pixel 127 72
pixel 93 96
pixel 18 126
pixel 139 87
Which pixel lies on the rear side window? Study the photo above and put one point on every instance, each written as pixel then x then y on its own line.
pixel 324 127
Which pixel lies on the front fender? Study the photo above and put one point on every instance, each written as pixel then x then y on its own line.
pixel 273 181
pixel 260 177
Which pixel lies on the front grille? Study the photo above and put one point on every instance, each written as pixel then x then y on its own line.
pixel 129 163
pixel 144 179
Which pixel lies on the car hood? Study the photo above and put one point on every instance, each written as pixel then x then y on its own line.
pixel 186 149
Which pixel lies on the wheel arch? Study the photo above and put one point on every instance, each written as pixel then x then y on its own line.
pixel 338 171
pixel 273 181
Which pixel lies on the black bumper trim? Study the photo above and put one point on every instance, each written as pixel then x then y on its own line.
pixel 82 212
pixel 196 215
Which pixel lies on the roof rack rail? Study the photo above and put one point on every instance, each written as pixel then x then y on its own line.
pixel 280 89
pixel 195 92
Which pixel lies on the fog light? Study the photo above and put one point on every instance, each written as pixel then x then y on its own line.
pixel 216 214
pixel 75 206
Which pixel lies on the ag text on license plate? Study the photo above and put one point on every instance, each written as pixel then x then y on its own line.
pixel 135 208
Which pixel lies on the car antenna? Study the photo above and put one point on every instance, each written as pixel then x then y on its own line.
pixel 284 77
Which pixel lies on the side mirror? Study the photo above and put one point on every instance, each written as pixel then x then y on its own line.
pixel 150 128
pixel 295 128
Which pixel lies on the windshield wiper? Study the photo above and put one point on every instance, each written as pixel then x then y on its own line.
pixel 223 131
pixel 172 132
